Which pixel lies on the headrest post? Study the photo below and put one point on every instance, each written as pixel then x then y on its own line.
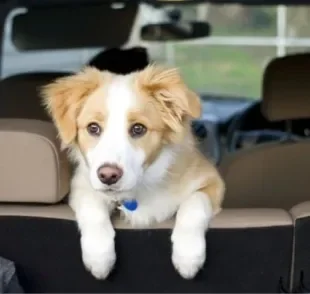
pixel 286 88
pixel 289 130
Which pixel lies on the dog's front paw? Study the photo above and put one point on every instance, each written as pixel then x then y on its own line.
pixel 98 255
pixel 188 254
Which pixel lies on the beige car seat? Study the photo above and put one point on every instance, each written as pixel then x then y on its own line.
pixel 275 175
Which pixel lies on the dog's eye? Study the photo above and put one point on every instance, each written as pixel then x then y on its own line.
pixel 94 129
pixel 137 130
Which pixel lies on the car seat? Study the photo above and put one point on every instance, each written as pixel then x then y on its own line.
pixel 275 175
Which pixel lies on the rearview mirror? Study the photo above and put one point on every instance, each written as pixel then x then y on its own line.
pixel 175 31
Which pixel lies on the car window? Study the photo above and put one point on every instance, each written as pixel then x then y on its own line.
pixel 230 63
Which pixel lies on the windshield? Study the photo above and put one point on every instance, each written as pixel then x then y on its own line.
pixel 231 62
pixel 228 64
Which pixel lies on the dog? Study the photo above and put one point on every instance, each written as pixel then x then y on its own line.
pixel 130 137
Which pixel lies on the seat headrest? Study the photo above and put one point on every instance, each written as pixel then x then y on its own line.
pixel 33 167
pixel 20 98
pixel 286 88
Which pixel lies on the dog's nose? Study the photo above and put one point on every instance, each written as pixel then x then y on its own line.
pixel 109 174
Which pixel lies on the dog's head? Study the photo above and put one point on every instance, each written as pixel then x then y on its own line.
pixel 121 123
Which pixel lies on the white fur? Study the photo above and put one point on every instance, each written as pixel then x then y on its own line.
pixel 93 216
pixel 188 236
pixel 93 204
pixel 114 146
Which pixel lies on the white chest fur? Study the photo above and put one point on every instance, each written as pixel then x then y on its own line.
pixel 153 207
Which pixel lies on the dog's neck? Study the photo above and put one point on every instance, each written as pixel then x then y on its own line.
pixel 158 171
pixel 161 170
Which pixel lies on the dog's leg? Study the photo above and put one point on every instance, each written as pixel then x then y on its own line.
pixel 188 236
pixel 97 233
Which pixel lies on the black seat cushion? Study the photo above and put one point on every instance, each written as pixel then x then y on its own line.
pixel 121 61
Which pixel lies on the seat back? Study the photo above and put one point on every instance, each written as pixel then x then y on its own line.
pixel 275 174
pixel 249 251
pixel 33 168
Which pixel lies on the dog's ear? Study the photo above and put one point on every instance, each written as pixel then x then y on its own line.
pixel 175 100
pixel 64 98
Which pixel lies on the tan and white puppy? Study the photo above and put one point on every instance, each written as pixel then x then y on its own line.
pixel 130 136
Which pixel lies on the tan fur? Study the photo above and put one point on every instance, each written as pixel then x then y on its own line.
pixel 64 98
pixel 192 166
pixel 90 113
pixel 175 102
pixel 165 107
pixel 152 141
pixel 176 105
pixel 215 189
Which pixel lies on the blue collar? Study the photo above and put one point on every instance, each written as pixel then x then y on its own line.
pixel 130 205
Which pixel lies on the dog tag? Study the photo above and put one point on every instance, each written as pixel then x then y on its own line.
pixel 130 204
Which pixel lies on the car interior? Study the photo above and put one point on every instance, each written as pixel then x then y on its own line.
pixel 258 243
